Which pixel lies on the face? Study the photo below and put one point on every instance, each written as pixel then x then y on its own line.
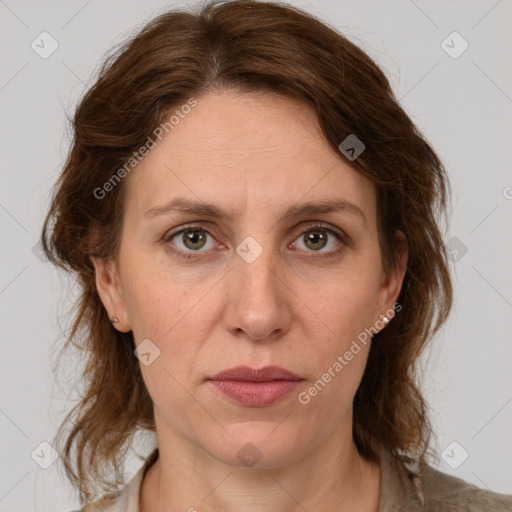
pixel 251 287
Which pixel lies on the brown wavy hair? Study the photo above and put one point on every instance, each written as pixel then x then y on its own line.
pixel 245 46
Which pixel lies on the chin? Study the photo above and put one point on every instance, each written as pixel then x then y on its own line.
pixel 252 444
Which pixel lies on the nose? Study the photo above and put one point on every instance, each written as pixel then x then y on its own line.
pixel 258 298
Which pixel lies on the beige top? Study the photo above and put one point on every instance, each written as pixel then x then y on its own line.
pixel 403 489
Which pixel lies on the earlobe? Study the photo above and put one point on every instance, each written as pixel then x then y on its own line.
pixel 107 286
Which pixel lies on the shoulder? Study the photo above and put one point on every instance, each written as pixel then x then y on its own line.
pixel 126 499
pixel 112 502
pixel 439 492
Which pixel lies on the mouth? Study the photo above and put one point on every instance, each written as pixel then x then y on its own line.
pixel 252 387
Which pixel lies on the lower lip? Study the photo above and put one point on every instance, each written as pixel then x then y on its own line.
pixel 256 394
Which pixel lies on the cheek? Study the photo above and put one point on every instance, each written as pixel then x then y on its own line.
pixel 169 309
pixel 156 298
pixel 338 360
pixel 164 313
pixel 345 302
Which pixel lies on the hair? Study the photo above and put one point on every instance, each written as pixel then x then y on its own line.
pixel 243 46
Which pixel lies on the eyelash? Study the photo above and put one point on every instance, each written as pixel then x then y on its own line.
pixel 324 255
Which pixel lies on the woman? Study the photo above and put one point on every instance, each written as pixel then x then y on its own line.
pixel 251 217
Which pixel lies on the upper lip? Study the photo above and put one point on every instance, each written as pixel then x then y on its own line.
pixel 248 374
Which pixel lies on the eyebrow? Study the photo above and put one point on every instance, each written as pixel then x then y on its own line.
pixel 183 205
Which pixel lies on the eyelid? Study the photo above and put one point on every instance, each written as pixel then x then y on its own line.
pixel 187 227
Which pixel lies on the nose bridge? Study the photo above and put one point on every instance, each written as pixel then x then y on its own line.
pixel 256 267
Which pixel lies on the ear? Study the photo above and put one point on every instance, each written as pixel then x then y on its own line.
pixel 109 290
pixel 391 283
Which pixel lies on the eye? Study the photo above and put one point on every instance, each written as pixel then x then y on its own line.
pixel 318 239
pixel 192 238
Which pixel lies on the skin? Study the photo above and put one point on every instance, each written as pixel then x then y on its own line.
pixel 255 154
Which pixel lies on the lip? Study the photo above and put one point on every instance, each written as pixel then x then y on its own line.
pixel 248 374
pixel 253 387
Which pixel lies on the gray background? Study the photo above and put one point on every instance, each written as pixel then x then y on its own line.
pixel 462 104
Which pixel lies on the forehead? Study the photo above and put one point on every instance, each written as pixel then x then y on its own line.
pixel 246 151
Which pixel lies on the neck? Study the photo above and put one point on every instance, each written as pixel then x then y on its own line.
pixel 333 475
